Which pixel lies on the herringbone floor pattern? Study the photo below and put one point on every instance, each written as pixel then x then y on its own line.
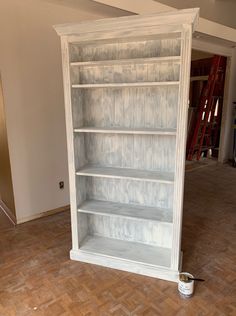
pixel 37 277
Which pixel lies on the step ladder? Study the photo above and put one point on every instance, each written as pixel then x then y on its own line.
pixel 234 129
pixel 207 127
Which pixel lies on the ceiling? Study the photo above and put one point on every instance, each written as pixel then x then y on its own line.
pixel 220 11
pixel 90 6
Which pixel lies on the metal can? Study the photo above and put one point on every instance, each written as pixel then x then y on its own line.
pixel 186 288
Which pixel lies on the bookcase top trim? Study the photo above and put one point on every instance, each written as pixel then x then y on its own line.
pixel 186 16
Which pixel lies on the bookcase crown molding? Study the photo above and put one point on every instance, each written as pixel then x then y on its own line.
pixel 175 18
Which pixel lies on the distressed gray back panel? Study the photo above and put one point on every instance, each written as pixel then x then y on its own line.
pixel 136 107
pixel 145 152
pixel 130 191
pixel 147 232
pixel 132 49
pixel 162 71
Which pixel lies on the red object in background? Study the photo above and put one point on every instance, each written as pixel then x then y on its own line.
pixel 206 130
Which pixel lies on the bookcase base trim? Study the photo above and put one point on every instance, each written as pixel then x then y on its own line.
pixel 125 265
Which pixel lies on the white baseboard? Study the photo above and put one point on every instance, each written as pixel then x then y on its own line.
pixel 43 214
pixel 8 212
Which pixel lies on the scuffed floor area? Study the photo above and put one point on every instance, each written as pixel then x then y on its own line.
pixel 37 277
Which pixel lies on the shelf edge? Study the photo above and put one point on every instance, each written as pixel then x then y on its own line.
pixel 123 131
pixel 126 85
pixel 145 60
pixel 123 205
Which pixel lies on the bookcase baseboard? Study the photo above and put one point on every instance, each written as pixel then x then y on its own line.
pixel 125 265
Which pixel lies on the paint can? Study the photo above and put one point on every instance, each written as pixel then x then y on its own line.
pixel 186 288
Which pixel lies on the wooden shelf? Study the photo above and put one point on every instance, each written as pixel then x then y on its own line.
pixel 138 212
pixel 199 78
pixel 126 85
pixel 126 130
pixel 126 61
pixel 127 250
pixel 126 173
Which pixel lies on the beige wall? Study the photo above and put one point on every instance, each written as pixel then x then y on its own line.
pixel 30 64
pixel 6 188
pixel 226 140
pixel 197 54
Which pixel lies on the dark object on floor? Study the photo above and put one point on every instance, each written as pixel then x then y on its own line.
pixel 234 127
pixel 185 278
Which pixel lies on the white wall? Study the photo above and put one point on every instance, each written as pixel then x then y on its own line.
pixel 30 65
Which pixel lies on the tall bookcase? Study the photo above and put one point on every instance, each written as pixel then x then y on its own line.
pixel 126 84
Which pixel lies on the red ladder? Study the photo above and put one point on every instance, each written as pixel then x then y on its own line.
pixel 208 122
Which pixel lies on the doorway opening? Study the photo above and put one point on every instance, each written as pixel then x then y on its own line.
pixel 209 199
pixel 7 203
pixel 206 101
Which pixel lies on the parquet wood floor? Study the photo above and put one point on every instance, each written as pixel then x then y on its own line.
pixel 37 277
pixel 4 221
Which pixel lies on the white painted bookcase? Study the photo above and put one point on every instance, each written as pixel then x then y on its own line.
pixel 126 83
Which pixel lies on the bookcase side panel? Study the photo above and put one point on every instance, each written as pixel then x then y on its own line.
pixel 70 144
pixel 181 144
